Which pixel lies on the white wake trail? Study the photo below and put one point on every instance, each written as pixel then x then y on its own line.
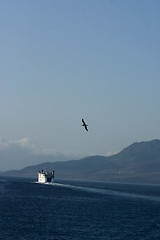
pixel 109 192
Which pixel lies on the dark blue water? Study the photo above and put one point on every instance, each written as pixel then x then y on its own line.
pixel 78 210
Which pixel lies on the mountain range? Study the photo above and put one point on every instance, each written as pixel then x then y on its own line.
pixel 137 163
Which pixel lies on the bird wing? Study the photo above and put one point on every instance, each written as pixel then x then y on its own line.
pixel 84 124
pixel 83 121
pixel 86 127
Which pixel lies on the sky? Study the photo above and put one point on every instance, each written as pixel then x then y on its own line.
pixel 62 61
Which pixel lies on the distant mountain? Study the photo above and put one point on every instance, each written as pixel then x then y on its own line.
pixel 138 163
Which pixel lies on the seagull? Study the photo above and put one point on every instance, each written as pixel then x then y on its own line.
pixel 85 125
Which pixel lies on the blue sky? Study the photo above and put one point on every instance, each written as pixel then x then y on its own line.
pixel 64 60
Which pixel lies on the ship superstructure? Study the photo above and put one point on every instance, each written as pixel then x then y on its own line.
pixel 45 177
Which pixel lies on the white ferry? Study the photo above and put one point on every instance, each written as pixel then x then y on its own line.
pixel 45 177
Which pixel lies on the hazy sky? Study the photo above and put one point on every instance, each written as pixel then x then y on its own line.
pixel 63 60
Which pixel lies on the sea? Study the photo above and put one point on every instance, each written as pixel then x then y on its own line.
pixel 78 210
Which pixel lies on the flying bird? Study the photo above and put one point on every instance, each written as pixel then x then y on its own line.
pixel 85 125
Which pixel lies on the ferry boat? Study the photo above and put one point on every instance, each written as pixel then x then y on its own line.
pixel 45 177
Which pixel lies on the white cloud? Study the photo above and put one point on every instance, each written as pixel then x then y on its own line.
pixel 27 144
pixel 110 153
pixel 25 152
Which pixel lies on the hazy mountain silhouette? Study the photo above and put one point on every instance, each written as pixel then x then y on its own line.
pixel 138 163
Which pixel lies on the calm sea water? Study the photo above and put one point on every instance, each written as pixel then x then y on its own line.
pixel 78 210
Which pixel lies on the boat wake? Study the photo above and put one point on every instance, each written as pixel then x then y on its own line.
pixel 48 183
pixel 109 192
pixel 105 191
